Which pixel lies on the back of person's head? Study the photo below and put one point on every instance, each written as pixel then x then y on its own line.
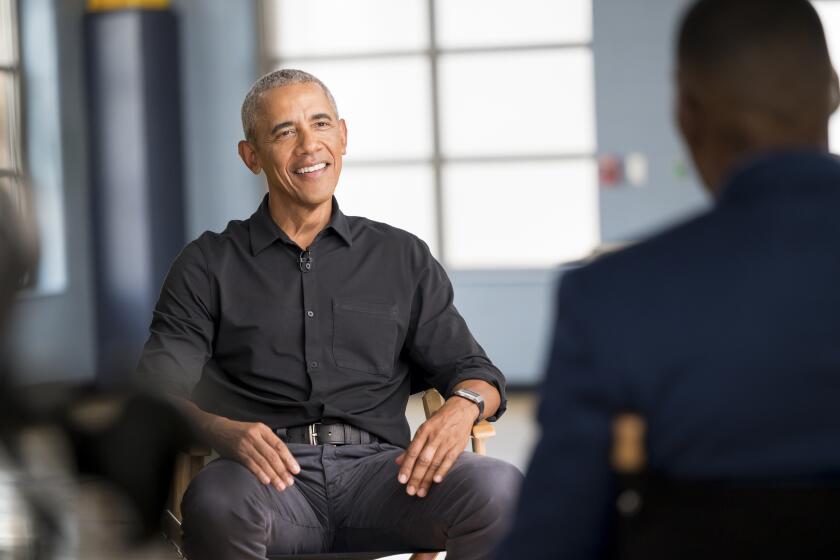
pixel 753 75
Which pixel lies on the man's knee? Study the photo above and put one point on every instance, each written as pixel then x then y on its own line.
pixel 490 488
pixel 223 493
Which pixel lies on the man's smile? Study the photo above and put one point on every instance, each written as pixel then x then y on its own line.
pixel 311 169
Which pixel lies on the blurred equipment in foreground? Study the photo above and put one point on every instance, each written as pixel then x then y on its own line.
pixel 126 441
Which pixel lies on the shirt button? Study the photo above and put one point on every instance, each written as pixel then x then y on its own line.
pixel 313 365
pixel 310 314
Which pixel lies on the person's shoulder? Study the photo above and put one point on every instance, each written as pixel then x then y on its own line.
pixel 236 232
pixel 211 247
pixel 386 233
pixel 646 263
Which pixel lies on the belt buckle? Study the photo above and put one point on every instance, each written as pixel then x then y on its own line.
pixel 313 433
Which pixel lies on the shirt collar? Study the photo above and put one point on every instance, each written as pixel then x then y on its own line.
pixel 265 232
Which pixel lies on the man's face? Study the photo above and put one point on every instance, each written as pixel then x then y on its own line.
pixel 299 143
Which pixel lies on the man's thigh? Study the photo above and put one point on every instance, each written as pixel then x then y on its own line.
pixel 377 514
pixel 227 507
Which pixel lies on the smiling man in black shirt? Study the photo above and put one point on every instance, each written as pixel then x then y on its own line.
pixel 293 337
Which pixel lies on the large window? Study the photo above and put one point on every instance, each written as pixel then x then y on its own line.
pixel 470 122
pixel 829 11
pixel 11 166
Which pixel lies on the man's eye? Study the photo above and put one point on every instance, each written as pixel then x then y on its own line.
pixel 322 124
pixel 285 133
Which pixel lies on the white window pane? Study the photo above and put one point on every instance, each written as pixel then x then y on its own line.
pixel 399 195
pixel 7 33
pixel 385 103
pixel 524 214
pixel 518 103
pixel 318 27
pixel 477 23
pixel 830 15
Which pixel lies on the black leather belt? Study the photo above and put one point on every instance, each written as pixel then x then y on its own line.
pixel 325 434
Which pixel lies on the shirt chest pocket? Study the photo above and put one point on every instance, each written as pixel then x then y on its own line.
pixel 364 335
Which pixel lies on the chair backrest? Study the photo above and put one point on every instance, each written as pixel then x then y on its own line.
pixel 661 518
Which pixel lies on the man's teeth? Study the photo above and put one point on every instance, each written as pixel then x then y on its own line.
pixel 315 167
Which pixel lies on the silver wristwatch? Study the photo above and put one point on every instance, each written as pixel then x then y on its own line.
pixel 474 398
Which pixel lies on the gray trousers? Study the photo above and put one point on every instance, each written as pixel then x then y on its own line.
pixel 345 499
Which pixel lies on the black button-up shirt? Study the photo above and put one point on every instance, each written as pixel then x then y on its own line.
pixel 253 328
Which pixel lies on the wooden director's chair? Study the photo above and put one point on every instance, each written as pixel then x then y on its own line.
pixel 188 464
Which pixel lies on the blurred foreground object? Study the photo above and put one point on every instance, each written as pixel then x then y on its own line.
pixel 130 441
pixel 17 531
pixel 659 518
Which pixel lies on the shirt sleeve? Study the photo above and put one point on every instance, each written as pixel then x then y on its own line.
pixel 564 508
pixel 439 341
pixel 181 334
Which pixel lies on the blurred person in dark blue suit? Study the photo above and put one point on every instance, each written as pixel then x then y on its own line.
pixel 722 332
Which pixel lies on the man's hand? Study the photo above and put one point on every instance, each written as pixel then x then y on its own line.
pixel 436 446
pixel 255 446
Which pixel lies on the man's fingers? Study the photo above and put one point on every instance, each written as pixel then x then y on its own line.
pixel 411 454
pixel 278 472
pixel 421 466
pixel 287 458
pixel 426 482
pixel 447 463
pixel 289 464
pixel 257 464
pixel 258 472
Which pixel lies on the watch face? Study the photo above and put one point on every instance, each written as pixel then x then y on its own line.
pixel 475 398
pixel 473 394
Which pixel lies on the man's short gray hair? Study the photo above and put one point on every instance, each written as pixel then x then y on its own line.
pixel 276 79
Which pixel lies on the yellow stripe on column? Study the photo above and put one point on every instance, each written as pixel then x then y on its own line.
pixel 108 5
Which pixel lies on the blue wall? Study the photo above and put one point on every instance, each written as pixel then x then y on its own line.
pixel 634 107
pixel 220 62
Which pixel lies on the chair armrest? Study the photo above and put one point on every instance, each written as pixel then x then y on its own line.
pixel 432 401
pixel 628 448
pixel 198 451
pixel 480 432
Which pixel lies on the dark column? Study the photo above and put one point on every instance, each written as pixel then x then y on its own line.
pixel 136 173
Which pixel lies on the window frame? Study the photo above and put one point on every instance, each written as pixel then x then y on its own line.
pixel 433 52
pixel 16 125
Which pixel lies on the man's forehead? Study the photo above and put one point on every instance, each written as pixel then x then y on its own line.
pixel 308 96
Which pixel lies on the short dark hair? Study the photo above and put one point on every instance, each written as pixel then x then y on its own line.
pixel 715 33
pixel 276 79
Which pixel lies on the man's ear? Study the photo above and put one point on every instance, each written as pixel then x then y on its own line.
pixel 249 156
pixel 834 93
pixel 342 126
pixel 689 115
